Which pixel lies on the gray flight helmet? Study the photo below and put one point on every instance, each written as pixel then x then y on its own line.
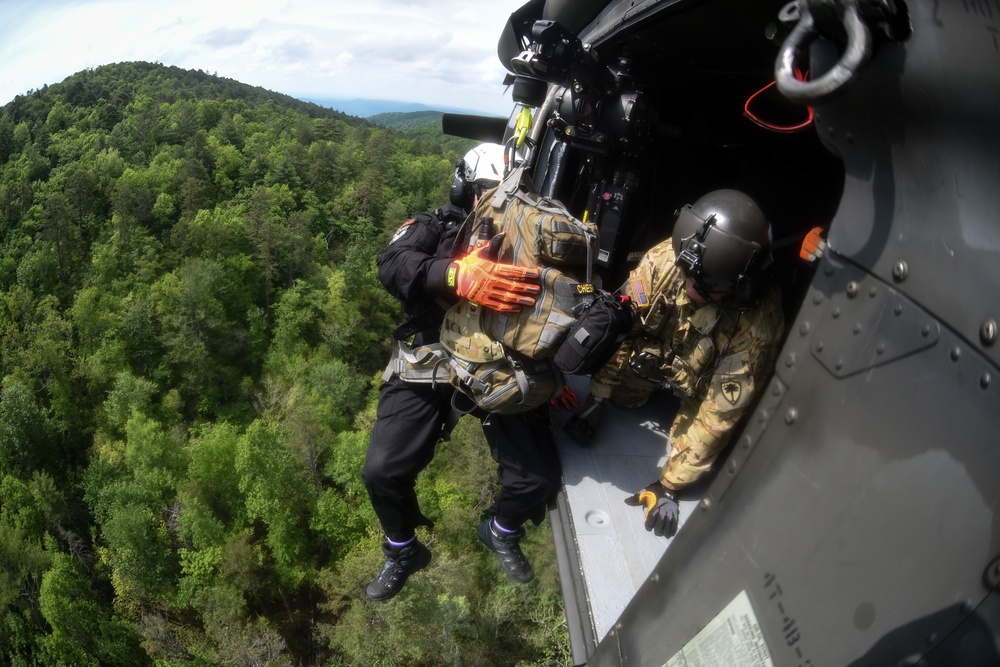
pixel 723 242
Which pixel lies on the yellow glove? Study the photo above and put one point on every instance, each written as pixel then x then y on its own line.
pixel 501 287
pixel 662 510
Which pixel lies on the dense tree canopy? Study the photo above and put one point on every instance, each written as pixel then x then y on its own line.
pixel 191 334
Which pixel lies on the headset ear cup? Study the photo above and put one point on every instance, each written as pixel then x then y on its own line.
pixel 746 288
pixel 750 283
pixel 461 193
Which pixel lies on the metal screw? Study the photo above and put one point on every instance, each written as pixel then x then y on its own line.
pixel 852 289
pixel 988 332
pixel 900 270
pixel 984 381
pixel 791 416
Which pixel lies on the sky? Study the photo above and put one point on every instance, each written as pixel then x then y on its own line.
pixel 442 53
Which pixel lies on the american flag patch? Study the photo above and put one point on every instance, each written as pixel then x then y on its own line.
pixel 639 293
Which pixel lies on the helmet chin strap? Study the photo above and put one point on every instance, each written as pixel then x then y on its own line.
pixel 707 295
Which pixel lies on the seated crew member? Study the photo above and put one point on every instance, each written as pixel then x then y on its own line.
pixel 418 267
pixel 708 327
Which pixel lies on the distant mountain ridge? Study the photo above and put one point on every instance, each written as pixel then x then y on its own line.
pixel 369 107
pixel 422 125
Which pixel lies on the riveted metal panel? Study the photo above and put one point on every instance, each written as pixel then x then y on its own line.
pixel 864 508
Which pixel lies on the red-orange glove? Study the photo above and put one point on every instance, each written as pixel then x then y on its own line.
pixel 566 399
pixel 501 287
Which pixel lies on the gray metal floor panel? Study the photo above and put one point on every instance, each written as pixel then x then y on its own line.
pixel 616 553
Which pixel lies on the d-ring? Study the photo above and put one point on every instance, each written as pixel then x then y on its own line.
pixel 856 55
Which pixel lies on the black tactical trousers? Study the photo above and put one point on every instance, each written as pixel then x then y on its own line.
pixel 408 425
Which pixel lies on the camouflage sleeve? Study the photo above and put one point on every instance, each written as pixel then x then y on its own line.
pixel 702 428
pixel 639 287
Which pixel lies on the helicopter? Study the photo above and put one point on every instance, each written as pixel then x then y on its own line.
pixel 853 519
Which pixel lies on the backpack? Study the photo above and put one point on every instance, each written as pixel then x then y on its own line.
pixel 540 233
pixel 503 360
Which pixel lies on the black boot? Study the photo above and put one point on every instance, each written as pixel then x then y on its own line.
pixel 583 424
pixel 400 563
pixel 508 550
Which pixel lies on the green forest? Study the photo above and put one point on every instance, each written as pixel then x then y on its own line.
pixel 191 339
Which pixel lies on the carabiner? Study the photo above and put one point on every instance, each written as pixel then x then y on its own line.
pixel 522 125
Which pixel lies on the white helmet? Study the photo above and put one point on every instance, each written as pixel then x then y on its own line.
pixel 484 165
pixel 481 169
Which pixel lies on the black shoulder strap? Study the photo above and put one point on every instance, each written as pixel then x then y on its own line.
pixel 428 318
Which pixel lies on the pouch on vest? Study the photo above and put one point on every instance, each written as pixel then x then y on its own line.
pixel 463 336
pixel 597 333
pixel 540 232
pixel 537 332
pixel 483 370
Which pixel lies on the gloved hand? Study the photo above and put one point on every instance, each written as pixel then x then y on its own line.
pixel 566 399
pixel 662 511
pixel 813 245
pixel 501 287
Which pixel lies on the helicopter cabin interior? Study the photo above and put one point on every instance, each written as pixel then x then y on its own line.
pixel 633 122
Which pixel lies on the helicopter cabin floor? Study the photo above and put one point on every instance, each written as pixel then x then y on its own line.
pixel 605 552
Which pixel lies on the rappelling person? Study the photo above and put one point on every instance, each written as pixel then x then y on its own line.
pixel 427 266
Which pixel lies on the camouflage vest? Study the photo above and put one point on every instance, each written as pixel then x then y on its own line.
pixel 677 343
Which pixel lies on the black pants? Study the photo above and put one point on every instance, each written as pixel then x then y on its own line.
pixel 407 427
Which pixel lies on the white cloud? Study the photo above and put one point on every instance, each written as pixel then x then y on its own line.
pixel 437 52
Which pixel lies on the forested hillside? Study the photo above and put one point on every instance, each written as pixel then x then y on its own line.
pixel 423 125
pixel 191 335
